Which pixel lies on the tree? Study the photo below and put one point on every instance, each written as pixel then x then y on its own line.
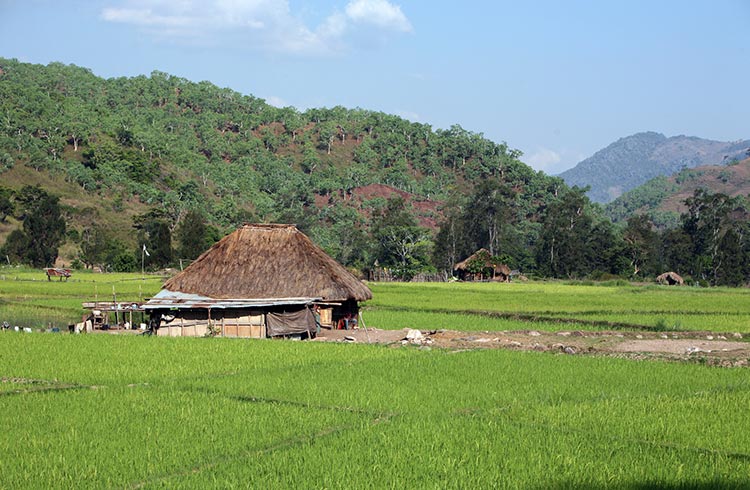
pixel 450 245
pixel 563 249
pixel 93 246
pixel 15 246
pixel 192 234
pixel 6 204
pixel 707 221
pixel 43 228
pixel 401 243
pixel 640 245
pixel 488 213
pixel 732 268
pixel 676 252
pixel 155 234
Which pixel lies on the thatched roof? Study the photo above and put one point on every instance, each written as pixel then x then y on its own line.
pixel 464 264
pixel 268 261
pixel 482 254
pixel 671 278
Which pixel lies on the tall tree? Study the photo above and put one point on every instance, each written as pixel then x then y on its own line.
pixel 562 249
pixel 710 216
pixel 640 245
pixel 401 243
pixel 488 214
pixel 450 246
pixel 192 235
pixel 155 234
pixel 6 204
pixel 43 227
pixel 93 246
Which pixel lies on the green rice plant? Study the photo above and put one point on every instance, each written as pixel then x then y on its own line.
pixel 124 411
pixel 28 299
pixel 628 307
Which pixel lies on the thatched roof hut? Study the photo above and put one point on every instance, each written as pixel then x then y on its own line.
pixel 482 257
pixel 670 278
pixel 268 261
pixel 262 268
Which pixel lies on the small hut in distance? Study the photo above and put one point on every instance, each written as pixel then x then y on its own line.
pixel 670 279
pixel 480 266
pixel 262 280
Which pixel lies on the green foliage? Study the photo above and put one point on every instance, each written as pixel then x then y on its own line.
pixel 192 235
pixel 718 228
pixel 401 243
pixel 43 228
pixel 571 243
pixel 123 261
pixel 154 234
pixel 6 162
pixel 177 146
pixel 555 306
pixel 687 175
pixel 646 197
pixel 6 204
pixel 478 419
pixel 493 217
pixel 16 246
pixel 641 243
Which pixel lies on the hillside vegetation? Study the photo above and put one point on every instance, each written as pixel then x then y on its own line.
pixel 147 172
pixel 118 148
pixel 663 198
pixel 634 160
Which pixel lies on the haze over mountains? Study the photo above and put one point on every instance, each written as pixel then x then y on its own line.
pixel 633 160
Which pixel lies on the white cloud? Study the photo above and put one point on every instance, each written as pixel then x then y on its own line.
pixel 552 162
pixel 264 25
pixel 409 116
pixel 380 13
pixel 543 159
pixel 276 101
pixel 144 17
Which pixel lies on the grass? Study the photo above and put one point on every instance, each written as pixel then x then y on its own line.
pixel 135 412
pixel 28 299
pixel 557 306
pixel 93 411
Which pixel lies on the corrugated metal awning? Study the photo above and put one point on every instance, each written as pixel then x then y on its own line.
pixel 169 300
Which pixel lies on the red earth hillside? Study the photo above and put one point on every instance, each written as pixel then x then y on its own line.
pixel 424 210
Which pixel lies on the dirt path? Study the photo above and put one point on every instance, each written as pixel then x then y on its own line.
pixel 705 347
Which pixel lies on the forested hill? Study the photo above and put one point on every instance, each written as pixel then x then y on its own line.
pixel 663 198
pixel 633 160
pixel 122 151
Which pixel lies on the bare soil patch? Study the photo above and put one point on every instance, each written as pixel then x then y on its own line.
pixel 704 347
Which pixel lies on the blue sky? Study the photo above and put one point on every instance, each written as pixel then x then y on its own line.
pixel 557 80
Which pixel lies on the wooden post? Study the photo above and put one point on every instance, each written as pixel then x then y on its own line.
pixel 114 304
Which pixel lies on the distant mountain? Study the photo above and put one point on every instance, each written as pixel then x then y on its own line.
pixel 664 197
pixel 633 160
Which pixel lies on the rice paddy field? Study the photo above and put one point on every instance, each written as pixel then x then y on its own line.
pixel 122 411
pixel 28 299
pixel 558 306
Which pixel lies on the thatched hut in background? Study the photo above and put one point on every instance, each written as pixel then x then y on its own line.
pixel 480 266
pixel 262 280
pixel 670 279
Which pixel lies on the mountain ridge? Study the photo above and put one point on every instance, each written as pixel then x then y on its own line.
pixel 635 159
pixel 663 198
